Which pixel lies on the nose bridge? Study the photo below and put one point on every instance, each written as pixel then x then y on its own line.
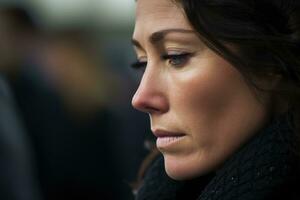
pixel 148 82
pixel 150 96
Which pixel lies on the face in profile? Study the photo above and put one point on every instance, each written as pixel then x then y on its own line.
pixel 200 107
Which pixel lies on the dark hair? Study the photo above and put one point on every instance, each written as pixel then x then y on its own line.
pixel 261 38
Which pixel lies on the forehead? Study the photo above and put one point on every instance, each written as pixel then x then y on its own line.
pixel 156 15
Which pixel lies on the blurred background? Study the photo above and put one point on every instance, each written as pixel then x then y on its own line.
pixel 67 128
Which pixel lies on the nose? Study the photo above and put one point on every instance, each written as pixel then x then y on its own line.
pixel 150 96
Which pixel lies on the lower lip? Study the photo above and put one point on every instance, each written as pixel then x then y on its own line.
pixel 163 142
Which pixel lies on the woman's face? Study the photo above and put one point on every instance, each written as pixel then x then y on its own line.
pixel 200 107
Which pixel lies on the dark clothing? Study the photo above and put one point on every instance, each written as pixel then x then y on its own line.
pixel 76 158
pixel 18 180
pixel 266 168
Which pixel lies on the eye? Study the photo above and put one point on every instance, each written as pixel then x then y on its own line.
pixel 177 59
pixel 139 65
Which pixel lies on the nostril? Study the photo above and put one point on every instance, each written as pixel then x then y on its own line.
pixel 151 110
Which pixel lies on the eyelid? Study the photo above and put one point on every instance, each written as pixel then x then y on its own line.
pixel 171 55
pixel 176 50
pixel 142 58
pixel 178 59
pixel 141 62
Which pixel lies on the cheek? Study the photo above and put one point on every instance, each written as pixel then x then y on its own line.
pixel 216 106
pixel 203 95
pixel 218 111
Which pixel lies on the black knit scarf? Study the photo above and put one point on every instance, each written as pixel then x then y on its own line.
pixel 265 168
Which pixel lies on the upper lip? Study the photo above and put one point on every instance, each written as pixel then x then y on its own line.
pixel 164 133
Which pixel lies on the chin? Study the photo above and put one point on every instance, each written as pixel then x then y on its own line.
pixel 184 168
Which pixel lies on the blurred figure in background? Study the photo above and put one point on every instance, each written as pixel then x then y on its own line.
pixel 82 128
pixel 63 94
pixel 18 178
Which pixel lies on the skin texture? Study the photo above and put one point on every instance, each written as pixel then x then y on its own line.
pixel 201 95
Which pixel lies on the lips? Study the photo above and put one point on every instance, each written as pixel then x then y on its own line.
pixel 167 140
pixel 162 133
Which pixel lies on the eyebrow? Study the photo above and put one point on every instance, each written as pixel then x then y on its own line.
pixel 160 35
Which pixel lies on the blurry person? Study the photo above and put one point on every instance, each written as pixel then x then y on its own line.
pixel 62 95
pixel 83 129
pixel 18 170
pixel 70 67
pixel 221 86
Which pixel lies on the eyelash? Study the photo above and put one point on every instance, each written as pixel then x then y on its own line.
pixel 183 57
pixel 139 65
